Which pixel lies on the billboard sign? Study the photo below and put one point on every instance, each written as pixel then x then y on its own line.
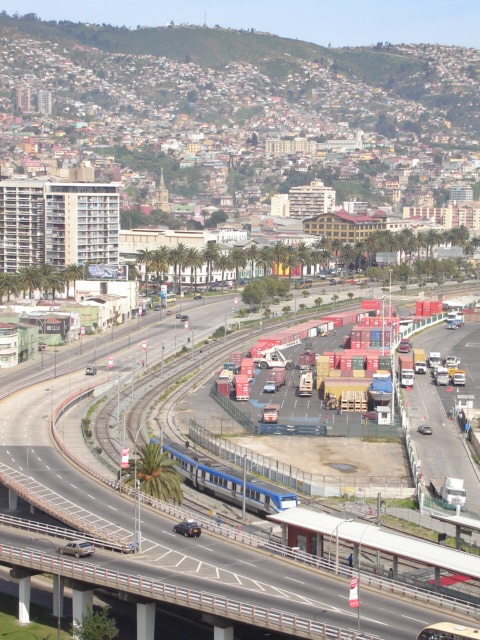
pixel 107 272
pixel 450 252
pixel 384 257
pixel 163 291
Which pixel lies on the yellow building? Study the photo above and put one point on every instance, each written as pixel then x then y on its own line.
pixel 344 226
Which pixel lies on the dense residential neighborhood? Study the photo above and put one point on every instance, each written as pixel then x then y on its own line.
pixel 201 175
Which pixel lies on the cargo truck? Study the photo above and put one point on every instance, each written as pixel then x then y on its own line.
pixel 305 385
pixel 434 359
pixel 442 377
pixel 270 413
pixel 277 376
pixel 404 346
pixel 419 361
pixel 450 490
pixel 452 361
pixel 406 374
pixel 242 388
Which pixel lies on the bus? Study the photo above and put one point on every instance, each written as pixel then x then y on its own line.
pixel 303 284
pixel 448 631
pixel 171 298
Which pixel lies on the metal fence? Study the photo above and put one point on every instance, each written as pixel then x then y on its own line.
pixel 242 418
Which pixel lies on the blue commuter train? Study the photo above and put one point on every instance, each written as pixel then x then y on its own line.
pixel 261 497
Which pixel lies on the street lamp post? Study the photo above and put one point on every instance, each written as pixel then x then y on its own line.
pixel 359 561
pixel 138 523
pixel 336 543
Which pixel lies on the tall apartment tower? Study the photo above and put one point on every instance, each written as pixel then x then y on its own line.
pixel 24 99
pixel 461 193
pixel 44 102
pixel 59 223
pixel 22 224
pixel 311 200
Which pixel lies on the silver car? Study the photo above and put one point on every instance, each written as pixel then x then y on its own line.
pixel 78 548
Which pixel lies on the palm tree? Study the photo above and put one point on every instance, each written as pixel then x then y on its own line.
pixel 177 256
pixel 251 253
pixel 222 263
pixel 144 256
pixel 304 256
pixel 337 245
pixel 8 284
pixel 72 273
pixel 210 254
pixel 132 271
pixel 54 282
pixel 29 279
pixel 160 262
pixel 290 260
pixel 156 472
pixel 194 260
pixel 266 259
pixel 237 259
pixel 279 251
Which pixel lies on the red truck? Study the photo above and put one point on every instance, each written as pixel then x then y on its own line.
pixel 277 376
pixel 247 367
pixel 406 374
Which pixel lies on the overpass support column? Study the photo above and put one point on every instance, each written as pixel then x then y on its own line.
pixel 24 588
pixel 222 629
pixel 395 567
pixel 145 621
pixel 437 579
pixel 356 556
pixel 12 500
pixel 58 584
pixel 82 598
pixel 458 539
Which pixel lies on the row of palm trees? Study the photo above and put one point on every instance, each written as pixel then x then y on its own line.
pixel 289 259
pixel 277 258
pixel 46 279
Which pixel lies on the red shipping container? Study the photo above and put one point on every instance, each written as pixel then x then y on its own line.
pixel 419 308
pixel 247 368
pixel 223 388
pixel 277 376
pixel 373 305
pixel 242 389
pixel 307 359
pixel 236 357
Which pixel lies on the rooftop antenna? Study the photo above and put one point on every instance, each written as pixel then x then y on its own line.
pixel 205 20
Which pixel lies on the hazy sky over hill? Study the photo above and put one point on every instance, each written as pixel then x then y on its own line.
pixel 339 22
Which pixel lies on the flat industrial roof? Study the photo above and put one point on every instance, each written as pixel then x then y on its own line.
pixel 373 537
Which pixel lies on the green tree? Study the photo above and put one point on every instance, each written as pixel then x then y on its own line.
pixel 8 284
pixel 160 262
pixel 29 279
pixel 177 256
pixel 144 256
pixel 237 259
pixel 96 625
pixel 194 261
pixel 72 273
pixel 156 472
pixel 251 254
pixel 54 282
pixel 266 259
pixel 222 263
pixel 210 254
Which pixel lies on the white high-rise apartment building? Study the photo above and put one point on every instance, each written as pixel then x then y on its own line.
pixel 58 223
pixel 311 200
pixel 44 102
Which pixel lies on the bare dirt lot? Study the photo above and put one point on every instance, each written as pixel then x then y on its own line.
pixel 332 456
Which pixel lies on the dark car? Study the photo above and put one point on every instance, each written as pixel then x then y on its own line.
pixel 42 346
pixel 157 307
pixel 184 318
pixel 197 296
pixel 91 370
pixel 178 316
pixel 425 429
pixel 188 528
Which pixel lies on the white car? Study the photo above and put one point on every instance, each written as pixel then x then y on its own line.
pixel 270 387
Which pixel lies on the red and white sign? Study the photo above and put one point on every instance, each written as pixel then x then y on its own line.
pixel 182 294
pixel 124 458
pixel 235 301
pixel 144 345
pixel 110 362
pixel 186 324
pixel 230 284
pixel 354 601
pixel 140 311
pixel 82 331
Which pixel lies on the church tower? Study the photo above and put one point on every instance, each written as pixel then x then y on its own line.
pixel 161 196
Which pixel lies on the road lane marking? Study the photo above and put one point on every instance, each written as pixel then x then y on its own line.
pixel 89 496
pixel 293 580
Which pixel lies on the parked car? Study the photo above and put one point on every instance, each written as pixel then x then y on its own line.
pixel 270 387
pixel 425 429
pixel 91 370
pixel 158 307
pixel 78 548
pixel 169 312
pixel 42 346
pixel 188 528
pixel 197 296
